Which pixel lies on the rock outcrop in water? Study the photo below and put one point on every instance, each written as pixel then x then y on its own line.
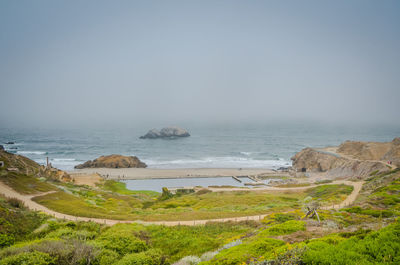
pixel 113 161
pixel 349 159
pixel 167 132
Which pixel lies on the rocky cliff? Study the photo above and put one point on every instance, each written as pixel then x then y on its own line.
pixel 350 159
pixel 113 161
pixel 23 165
pixel 389 151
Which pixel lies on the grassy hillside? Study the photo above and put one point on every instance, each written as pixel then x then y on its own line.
pixel 113 201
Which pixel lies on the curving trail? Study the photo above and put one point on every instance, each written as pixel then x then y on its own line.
pixel 27 199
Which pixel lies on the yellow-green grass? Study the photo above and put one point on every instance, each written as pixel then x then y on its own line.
pixel 330 194
pixel 120 187
pixel 100 204
pixel 293 185
pixel 106 206
pixel 26 184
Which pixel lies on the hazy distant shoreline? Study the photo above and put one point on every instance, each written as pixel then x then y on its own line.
pixel 152 173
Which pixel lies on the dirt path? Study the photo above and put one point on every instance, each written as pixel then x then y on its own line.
pixel 27 199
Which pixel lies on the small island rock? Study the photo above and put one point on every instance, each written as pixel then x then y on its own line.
pixel 113 161
pixel 167 132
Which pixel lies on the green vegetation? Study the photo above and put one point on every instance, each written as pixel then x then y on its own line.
pixel 331 193
pixel 60 242
pixel 282 237
pixel 381 247
pixel 114 201
pixel 26 184
pixel 120 187
pixel 16 222
pixel 284 228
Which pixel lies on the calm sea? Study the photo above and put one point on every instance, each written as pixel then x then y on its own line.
pixel 267 145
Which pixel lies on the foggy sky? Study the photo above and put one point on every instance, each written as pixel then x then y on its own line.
pixel 78 62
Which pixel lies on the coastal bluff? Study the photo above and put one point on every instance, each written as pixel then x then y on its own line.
pixel 113 161
pixel 166 133
pixel 350 159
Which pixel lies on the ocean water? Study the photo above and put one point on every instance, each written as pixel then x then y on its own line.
pixel 268 145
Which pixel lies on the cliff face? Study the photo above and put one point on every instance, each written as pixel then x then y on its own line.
pixel 351 159
pixel 389 151
pixel 113 161
pixel 317 161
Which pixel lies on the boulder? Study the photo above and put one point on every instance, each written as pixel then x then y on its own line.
pixel 167 132
pixel 113 161
pixel 1 147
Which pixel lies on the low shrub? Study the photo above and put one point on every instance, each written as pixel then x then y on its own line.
pixel 6 240
pixel 259 247
pixel 203 191
pixel 380 247
pixel 29 258
pixel 14 202
pixel 106 257
pixel 284 228
pixel 374 213
pixel 150 257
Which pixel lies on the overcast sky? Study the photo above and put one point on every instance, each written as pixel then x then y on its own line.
pixel 74 62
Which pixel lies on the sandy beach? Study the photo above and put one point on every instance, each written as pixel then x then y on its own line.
pixel 152 173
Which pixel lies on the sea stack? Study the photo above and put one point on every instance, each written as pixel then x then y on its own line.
pixel 166 133
pixel 113 161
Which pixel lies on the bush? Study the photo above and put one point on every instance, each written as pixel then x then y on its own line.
pixel 166 194
pixel 68 233
pixel 285 228
pixel 106 257
pixel 244 252
pixel 203 191
pixel 29 258
pixel 374 213
pixel 121 242
pixel 150 257
pixel 14 202
pixel 381 247
pixel 65 252
pixel 6 240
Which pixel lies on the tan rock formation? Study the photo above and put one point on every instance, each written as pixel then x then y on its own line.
pixel 113 161
pixel 350 159
pixel 389 151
